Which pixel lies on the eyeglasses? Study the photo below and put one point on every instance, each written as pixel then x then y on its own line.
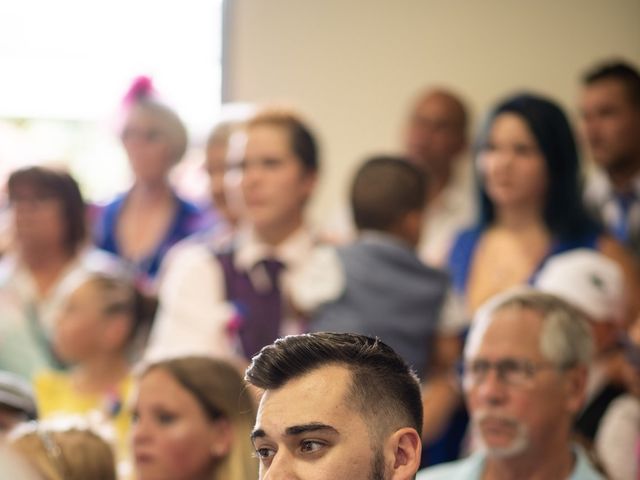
pixel 510 371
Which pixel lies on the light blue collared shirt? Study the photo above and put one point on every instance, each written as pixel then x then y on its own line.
pixel 471 468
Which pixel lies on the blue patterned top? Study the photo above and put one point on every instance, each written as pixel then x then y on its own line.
pixel 187 220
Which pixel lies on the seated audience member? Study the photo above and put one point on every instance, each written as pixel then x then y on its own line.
pixel 610 109
pixel 436 140
pixel 16 402
pixel 618 438
pixel 335 405
pixel 225 207
pixel 531 203
pixel 143 223
pixel 379 288
pixel 221 147
pixel 193 419
pixel 64 454
pixel 228 300
pixel 594 285
pixel 49 255
pixel 94 335
pixel 526 361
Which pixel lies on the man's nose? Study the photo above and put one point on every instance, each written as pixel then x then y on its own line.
pixel 281 468
pixel 492 389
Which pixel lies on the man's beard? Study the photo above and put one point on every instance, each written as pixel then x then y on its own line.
pixel 519 443
pixel 377 466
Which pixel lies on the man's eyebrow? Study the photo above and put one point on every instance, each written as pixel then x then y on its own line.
pixel 259 433
pixel 310 427
pixel 297 430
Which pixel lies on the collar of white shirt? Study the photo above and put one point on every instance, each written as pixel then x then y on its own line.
pixel 599 187
pixel 251 249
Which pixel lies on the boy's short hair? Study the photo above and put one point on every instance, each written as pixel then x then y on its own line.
pixel 384 190
pixel 619 71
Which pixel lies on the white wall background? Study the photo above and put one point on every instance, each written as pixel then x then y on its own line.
pixel 353 66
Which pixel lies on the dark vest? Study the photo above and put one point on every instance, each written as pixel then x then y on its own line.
pixel 259 310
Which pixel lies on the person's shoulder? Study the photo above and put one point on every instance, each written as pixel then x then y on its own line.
pixel 114 203
pixel 464 245
pixel 47 382
pixel 470 234
pixel 188 207
pixel 190 255
pixel 465 469
pixel 584 470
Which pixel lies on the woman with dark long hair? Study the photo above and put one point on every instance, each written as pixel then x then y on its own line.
pixel 530 202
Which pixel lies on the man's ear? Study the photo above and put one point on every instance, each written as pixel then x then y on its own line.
pixel 405 449
pixel 576 388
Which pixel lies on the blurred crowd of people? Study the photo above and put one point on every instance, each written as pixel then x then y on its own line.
pixel 126 328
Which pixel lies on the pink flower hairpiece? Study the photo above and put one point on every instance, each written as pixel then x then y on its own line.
pixel 141 89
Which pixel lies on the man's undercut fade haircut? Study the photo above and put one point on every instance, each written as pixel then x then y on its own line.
pixel 618 71
pixel 384 190
pixel 384 390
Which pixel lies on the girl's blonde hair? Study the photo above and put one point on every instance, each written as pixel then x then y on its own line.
pixel 73 454
pixel 221 392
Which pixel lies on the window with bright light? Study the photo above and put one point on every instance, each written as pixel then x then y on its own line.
pixel 66 65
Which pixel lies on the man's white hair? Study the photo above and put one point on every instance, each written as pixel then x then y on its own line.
pixel 565 339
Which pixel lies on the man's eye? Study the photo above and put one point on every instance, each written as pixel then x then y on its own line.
pixel 270 162
pixel 311 446
pixel 265 453
pixel 510 367
pixel 479 368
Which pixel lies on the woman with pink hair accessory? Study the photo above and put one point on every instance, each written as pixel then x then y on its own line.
pixel 141 224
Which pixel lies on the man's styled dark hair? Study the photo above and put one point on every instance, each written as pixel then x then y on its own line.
pixel 383 387
pixel 619 71
pixel 385 189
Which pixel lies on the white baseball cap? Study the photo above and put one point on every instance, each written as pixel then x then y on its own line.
pixel 16 393
pixel 588 280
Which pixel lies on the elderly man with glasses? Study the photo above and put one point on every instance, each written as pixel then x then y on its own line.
pixel 525 372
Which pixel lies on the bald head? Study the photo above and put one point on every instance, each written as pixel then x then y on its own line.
pixel 437 130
